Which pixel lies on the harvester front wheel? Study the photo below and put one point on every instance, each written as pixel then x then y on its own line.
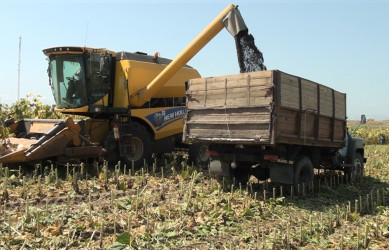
pixel 136 145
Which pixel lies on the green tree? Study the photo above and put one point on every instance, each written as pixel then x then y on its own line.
pixel 32 107
pixel 29 107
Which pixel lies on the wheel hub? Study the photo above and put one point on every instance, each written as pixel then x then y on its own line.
pixel 133 148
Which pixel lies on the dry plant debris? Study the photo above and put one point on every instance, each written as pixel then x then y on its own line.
pixel 173 205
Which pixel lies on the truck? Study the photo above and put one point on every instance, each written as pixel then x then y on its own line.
pixel 131 105
pixel 271 124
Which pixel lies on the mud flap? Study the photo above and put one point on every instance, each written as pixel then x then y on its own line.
pixel 219 168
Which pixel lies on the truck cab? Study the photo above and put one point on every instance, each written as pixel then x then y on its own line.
pixel 353 153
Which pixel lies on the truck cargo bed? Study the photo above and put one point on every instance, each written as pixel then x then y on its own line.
pixel 264 108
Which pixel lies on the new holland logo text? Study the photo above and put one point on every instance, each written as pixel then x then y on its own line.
pixel 165 117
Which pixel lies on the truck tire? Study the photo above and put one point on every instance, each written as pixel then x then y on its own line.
pixel 224 174
pixel 198 154
pixel 357 170
pixel 303 173
pixel 136 145
pixel 241 174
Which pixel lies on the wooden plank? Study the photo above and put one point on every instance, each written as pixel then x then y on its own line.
pixel 244 124
pixel 233 100
pixel 260 78
pixel 233 130
pixel 307 125
pixel 310 142
pixel 325 101
pixel 286 122
pixel 309 95
pixel 262 91
pixel 289 91
pixel 339 130
pixel 324 132
pixel 340 105
pixel 230 131
pixel 244 118
pixel 231 92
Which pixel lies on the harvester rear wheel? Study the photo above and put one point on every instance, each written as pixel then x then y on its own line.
pixel 135 145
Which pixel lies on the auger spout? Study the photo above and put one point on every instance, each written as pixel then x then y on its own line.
pixel 229 18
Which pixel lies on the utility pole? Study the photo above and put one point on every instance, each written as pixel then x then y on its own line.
pixel 20 50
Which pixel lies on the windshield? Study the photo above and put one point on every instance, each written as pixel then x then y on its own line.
pixel 75 83
pixel 68 81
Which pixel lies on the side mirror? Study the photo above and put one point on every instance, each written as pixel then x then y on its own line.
pixel 363 119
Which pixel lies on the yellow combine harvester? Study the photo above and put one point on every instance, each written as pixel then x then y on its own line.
pixel 135 103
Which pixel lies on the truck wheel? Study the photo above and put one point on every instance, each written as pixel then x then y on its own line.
pixel 224 174
pixel 303 173
pixel 198 154
pixel 241 174
pixel 135 144
pixel 237 178
pixel 356 171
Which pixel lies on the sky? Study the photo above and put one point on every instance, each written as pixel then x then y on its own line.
pixel 341 44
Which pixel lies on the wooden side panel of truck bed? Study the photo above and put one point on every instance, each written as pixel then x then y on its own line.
pixel 264 108
pixel 308 113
